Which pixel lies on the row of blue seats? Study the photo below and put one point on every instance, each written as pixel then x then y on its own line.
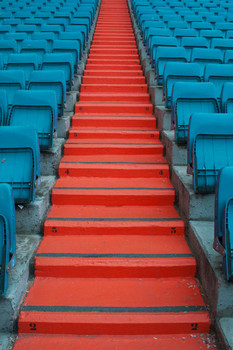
pixel 32 113
pixel 217 74
pixel 196 104
pixel 192 97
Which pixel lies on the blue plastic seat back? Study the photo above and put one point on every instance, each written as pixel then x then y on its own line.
pixel 190 43
pixel 60 61
pixel 205 56
pixel 34 21
pixel 189 98
pixel 222 44
pixel 26 28
pixel 227 98
pixel 7 235
pixel 198 26
pixel 155 31
pixel 78 28
pixel 211 34
pixel 7 47
pixel 218 74
pixel 161 41
pixel 24 62
pixel 18 37
pixel 168 54
pixel 179 33
pixel 50 80
pixel 68 46
pixel 224 26
pixel 228 57
pixel 37 109
pixel 150 24
pixel 12 81
pixel 61 22
pixel 65 15
pixel 13 22
pixel 1 62
pixel 229 34
pixel 51 28
pixel 172 25
pixel 210 148
pixel 4 28
pixel 3 107
pixel 74 36
pixel 20 161
pixel 39 47
pixel 228 240
pixel 175 72
pixel 224 194
pixel 49 37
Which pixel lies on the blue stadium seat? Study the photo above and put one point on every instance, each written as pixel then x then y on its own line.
pixel 3 107
pixel 49 37
pixel 161 32
pixel 6 48
pixel 82 17
pixel 4 28
pixel 24 62
pixel 189 98
pixel 78 28
pixel 12 81
pixel 26 28
pixel 211 34
pixel 49 28
pixel 39 47
pixel 22 14
pixel 44 16
pixel 34 21
pixel 228 57
pixel 37 109
pixel 168 54
pixel 177 71
pixel 160 41
pixel 222 44
pixel 191 43
pixel 74 36
pixel 179 33
pixel 20 165
pixel 18 37
pixel 229 34
pixel 218 74
pixel 150 24
pixel 224 26
pixel 205 56
pixel 58 21
pixel 50 80
pixel 227 98
pixel 7 235
pixel 213 19
pixel 210 148
pixel 60 61
pixel 223 234
pixel 68 46
pixel 198 26
pixel 13 22
pixel 66 15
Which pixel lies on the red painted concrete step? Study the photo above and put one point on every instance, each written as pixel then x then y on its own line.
pixel 114 88
pixel 114 122
pixel 108 108
pixel 111 66
pixel 114 97
pixel 149 342
pixel 112 73
pixel 112 134
pixel 112 191
pixel 113 80
pixel 114 256
pixel 114 306
pixel 124 220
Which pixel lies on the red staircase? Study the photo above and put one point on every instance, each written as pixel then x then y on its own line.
pixel 114 270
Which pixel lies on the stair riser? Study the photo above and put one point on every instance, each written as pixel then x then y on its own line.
pixel 94 122
pixel 114 98
pixel 161 198
pixel 117 88
pixel 113 150
pixel 77 135
pixel 113 80
pixel 113 109
pixel 109 73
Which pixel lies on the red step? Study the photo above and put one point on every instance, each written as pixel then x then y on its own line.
pixel 121 306
pixel 108 108
pixel 112 134
pixel 101 67
pixel 114 122
pixel 114 97
pixel 114 256
pixel 114 88
pixel 113 80
pixel 123 220
pixel 112 191
pixel 107 342
pixel 112 73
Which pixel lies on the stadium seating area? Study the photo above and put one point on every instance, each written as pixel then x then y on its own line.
pixel 190 46
pixel 41 44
